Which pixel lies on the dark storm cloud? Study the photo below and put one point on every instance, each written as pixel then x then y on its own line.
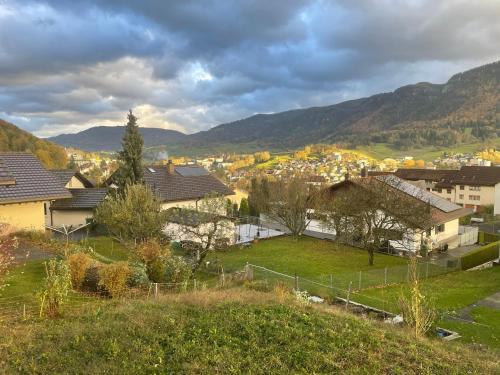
pixel 66 65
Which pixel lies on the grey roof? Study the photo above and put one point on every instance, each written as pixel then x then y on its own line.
pixel 421 194
pixel 194 184
pixel 6 177
pixel 81 199
pixel 32 181
pixel 65 175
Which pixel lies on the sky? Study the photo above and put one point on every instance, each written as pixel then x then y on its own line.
pixel 68 65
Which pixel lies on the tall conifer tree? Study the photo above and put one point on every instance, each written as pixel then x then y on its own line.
pixel 130 170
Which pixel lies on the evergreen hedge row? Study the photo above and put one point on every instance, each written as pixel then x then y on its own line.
pixel 480 256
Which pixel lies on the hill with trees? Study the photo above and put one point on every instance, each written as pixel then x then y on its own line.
pixel 14 139
pixel 463 110
pixel 109 138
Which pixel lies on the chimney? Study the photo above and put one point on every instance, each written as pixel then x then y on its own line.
pixel 364 172
pixel 170 167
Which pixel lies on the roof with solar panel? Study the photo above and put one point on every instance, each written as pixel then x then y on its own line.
pixel 441 209
pixel 183 182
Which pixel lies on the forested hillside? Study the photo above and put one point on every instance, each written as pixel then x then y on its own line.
pixel 14 139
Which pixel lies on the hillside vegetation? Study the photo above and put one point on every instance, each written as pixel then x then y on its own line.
pixel 14 139
pixel 231 331
pixel 463 110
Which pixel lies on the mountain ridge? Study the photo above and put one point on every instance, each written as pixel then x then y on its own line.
pixel 463 109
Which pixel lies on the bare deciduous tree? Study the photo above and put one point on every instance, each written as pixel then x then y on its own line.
pixel 369 212
pixel 286 200
pixel 202 229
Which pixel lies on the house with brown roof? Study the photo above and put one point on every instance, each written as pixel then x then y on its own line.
pixel 78 210
pixel 470 186
pixel 442 228
pixel 26 191
pixel 183 186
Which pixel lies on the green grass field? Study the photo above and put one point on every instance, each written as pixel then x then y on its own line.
pixel 225 332
pixel 381 151
pixel 307 257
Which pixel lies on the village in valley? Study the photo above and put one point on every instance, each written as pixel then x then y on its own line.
pixel 305 187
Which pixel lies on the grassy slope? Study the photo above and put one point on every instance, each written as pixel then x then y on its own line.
pixel 382 150
pixel 225 332
pixel 308 257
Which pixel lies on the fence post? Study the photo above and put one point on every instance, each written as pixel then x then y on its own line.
pixel 359 284
pixel 385 276
pixel 156 290
pixel 24 311
pixel 427 270
pixel 348 294
pixel 296 282
pixel 194 284
pixel 331 281
pixel 408 273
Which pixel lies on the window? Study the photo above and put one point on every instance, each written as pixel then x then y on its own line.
pixel 462 187
pixel 460 196
pixel 448 191
pixel 474 197
pixel 439 229
pixel 475 188
pixel 428 232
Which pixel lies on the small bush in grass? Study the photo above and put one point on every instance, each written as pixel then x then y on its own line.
pixel 258 285
pixel 177 270
pixel 57 284
pixel 113 277
pixel 91 280
pixel 138 274
pixel 78 264
pixel 154 256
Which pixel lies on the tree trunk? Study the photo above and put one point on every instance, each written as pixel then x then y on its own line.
pixel 370 255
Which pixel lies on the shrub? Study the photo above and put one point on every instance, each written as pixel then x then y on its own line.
pixel 138 274
pixel 480 256
pixel 56 287
pixel 78 264
pixel 91 280
pixel 177 270
pixel 113 277
pixel 258 285
pixel 154 256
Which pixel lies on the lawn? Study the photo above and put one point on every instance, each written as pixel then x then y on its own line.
pixel 107 250
pixel 225 332
pixel 23 281
pixel 307 257
pixel 451 291
pixel 485 331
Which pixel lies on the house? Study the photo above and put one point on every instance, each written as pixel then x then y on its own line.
pixel 26 191
pixel 183 186
pixel 441 230
pixel 72 179
pixel 77 210
pixel 470 186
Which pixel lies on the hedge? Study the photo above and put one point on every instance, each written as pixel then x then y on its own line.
pixel 480 256
pixel 488 237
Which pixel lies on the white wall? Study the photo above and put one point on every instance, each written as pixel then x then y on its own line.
pixel 176 233
pixel 74 218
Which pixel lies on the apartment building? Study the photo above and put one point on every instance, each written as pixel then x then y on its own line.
pixel 470 186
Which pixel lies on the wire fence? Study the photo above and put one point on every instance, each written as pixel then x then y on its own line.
pixel 330 292
pixel 28 306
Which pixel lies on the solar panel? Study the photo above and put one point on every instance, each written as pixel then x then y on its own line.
pixel 191 171
pixel 421 194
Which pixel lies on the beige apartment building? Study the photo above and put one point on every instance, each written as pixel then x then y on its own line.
pixel 470 186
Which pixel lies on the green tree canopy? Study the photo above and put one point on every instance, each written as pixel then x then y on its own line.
pixel 130 170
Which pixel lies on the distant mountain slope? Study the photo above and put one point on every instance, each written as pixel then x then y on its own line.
pixel 465 109
pixel 14 139
pixel 108 138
